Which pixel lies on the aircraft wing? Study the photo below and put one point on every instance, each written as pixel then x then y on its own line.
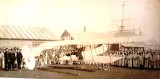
pixel 103 59
pixel 49 45
pixel 86 42
pixel 73 57
pixel 95 59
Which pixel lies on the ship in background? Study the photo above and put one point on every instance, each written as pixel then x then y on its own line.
pixel 130 34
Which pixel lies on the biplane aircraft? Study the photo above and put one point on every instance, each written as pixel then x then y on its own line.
pixel 89 51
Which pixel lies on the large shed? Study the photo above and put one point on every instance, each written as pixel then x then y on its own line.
pixel 19 36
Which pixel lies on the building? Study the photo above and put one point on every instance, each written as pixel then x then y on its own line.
pixel 18 36
pixel 135 38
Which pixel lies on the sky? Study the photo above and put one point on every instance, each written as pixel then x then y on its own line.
pixel 95 15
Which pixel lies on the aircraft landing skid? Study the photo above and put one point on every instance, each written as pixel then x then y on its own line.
pixel 100 66
pixel 80 64
pixel 103 66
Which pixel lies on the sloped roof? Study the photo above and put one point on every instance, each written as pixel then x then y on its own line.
pixel 134 44
pixel 99 35
pixel 65 33
pixel 125 36
pixel 27 33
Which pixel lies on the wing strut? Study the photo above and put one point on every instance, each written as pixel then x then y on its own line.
pixel 71 59
pixel 109 53
pixel 83 52
pixel 91 52
pixel 103 48
pixel 95 49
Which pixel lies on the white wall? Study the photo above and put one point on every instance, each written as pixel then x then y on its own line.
pixel 17 43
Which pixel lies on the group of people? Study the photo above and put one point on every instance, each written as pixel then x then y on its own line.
pixel 133 58
pixel 144 59
pixel 11 58
pixel 46 57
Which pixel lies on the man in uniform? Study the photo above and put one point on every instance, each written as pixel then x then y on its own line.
pixel 146 56
pixel 12 57
pixel 19 57
pixel 15 52
pixel 1 58
pixel 6 56
pixel 140 60
pixel 130 57
pixel 135 57
pixel 9 59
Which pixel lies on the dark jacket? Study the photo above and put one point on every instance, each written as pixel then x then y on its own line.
pixel 6 55
pixel 12 56
pixel 19 56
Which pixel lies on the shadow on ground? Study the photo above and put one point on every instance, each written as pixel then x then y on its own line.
pixel 65 69
pixel 71 68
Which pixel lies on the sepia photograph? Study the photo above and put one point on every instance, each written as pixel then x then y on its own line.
pixel 79 39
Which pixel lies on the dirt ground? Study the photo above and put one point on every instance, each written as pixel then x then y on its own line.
pixel 89 72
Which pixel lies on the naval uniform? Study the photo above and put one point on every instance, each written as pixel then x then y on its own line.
pixel 12 60
pixel 6 59
pixel 19 57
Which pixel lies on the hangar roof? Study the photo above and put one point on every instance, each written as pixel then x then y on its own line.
pixel 26 33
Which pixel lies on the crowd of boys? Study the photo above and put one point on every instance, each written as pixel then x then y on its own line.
pixel 144 59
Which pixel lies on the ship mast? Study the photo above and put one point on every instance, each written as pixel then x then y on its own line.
pixel 122 24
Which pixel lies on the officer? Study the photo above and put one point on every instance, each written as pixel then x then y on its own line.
pixel 135 58
pixel 146 64
pixel 140 60
pixel 12 57
pixel 1 58
pixel 19 57
pixel 6 57
pixel 9 59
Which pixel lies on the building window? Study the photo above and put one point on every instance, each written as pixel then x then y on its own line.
pixel 35 43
